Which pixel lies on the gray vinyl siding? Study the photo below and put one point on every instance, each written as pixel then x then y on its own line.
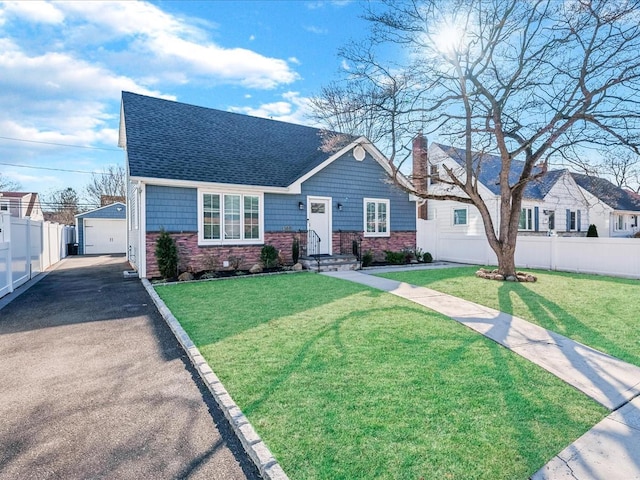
pixel 347 182
pixel 80 236
pixel 172 208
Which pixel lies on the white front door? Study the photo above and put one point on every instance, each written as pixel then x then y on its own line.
pixel 319 217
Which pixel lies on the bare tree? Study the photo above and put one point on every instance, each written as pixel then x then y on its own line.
pixel 520 80
pixel 110 183
pixel 7 185
pixel 623 167
pixel 61 206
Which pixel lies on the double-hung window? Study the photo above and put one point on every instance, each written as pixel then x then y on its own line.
pixel 376 217
pixel 526 219
pixel 619 222
pixel 230 218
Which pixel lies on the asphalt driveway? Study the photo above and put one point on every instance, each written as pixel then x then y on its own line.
pixel 94 385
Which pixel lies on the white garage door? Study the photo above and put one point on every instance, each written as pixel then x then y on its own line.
pixel 102 235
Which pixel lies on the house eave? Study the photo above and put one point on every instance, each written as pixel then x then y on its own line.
pixel 168 182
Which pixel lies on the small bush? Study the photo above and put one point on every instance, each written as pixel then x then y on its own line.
pixel 419 254
pixel 295 250
pixel 592 231
pixel 269 256
pixel 395 258
pixel 367 258
pixel 167 255
pixel 427 257
pixel 235 262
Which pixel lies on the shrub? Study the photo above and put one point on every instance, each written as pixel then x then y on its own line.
pixel 166 255
pixel 367 258
pixel 295 250
pixel 427 257
pixel 395 258
pixel 419 254
pixel 235 262
pixel 269 256
pixel 592 231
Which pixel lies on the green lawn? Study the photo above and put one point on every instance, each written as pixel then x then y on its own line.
pixel 345 382
pixel 599 311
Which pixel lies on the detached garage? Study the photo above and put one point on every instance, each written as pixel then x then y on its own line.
pixel 103 230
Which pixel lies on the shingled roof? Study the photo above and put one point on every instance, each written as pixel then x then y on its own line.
pixel 615 197
pixel 172 140
pixel 489 175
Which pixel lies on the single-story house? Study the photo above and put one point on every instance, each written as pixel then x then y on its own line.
pixel 21 205
pixel 613 210
pixel 553 204
pixel 102 230
pixel 223 185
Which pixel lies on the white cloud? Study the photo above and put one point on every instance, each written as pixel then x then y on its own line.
pixel 35 11
pixel 293 108
pixel 294 60
pixel 252 38
pixel 316 30
pixel 177 45
pixel 345 65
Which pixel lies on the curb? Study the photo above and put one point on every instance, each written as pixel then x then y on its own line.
pixel 257 450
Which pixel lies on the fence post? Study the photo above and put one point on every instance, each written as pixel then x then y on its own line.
pixel 553 254
pixel 7 235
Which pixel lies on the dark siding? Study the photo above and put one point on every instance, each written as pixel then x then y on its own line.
pixel 107 212
pixel 348 182
pixel 80 236
pixel 174 209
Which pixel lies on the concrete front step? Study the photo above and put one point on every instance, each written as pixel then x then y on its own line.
pixel 333 263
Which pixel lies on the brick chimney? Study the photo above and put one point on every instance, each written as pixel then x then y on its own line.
pixel 419 175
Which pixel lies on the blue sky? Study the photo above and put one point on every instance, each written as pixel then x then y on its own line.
pixel 64 65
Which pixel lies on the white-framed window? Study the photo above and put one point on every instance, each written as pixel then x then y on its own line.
pixel 572 220
pixel 634 221
pixel 526 219
pixel 231 218
pixel 619 222
pixel 460 216
pixel 434 173
pixel 376 217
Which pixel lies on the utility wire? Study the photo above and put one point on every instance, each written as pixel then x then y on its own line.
pixel 54 169
pixel 59 144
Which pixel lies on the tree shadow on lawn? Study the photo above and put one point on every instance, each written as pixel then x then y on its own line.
pixel 519 405
pixel 216 310
pixel 551 316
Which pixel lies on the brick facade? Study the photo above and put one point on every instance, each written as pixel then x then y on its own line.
pixel 195 258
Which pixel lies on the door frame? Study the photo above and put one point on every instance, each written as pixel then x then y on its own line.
pixel 329 202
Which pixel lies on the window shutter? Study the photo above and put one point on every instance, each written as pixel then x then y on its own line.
pixel 578 220
pixel 536 218
pixel 568 220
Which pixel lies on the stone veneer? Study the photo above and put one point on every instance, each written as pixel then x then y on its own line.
pixel 195 258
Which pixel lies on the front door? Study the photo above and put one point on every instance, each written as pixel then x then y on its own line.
pixel 319 218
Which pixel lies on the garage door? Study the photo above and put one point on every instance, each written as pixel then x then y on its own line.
pixel 103 235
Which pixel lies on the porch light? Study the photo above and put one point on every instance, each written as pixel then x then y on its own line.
pixel 300 206
pixel 339 206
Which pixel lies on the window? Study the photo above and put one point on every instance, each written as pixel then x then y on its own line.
pixel 619 222
pixel 634 221
pixel 460 216
pixel 526 219
pixel 230 218
pixel 572 221
pixel 376 217
pixel 552 220
pixel 434 174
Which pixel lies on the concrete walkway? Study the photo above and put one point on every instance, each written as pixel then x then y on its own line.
pixel 95 385
pixel 611 449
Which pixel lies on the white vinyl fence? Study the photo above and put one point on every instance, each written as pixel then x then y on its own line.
pixel 605 256
pixel 28 247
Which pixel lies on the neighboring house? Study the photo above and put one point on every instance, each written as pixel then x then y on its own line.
pixel 103 230
pixel 224 185
pixel 21 205
pixel 613 210
pixel 553 204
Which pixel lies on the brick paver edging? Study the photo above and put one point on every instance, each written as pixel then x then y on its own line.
pixel 256 449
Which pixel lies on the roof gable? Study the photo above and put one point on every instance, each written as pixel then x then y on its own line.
pixel 117 210
pixel 489 175
pixel 615 197
pixel 177 141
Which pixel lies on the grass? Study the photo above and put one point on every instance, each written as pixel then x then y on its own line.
pixel 345 382
pixel 599 311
